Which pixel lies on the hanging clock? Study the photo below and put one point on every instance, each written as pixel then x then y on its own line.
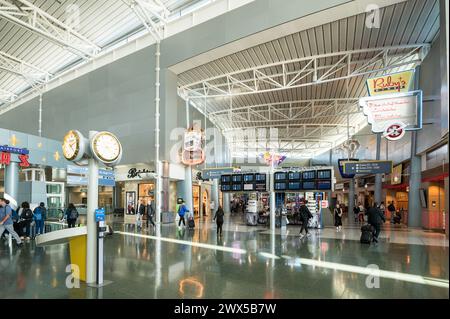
pixel 73 146
pixel 106 148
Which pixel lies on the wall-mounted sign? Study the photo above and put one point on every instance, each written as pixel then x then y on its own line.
pixel 338 187
pixel 368 167
pixel 193 147
pixel 385 110
pixel 137 173
pixel 396 176
pixel 391 83
pixel 5 155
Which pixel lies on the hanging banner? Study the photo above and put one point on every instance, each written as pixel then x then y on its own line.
pixel 193 147
pixel 272 158
pixel 394 109
pixel 392 83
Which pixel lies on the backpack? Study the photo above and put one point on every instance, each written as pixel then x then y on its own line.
pixel 181 211
pixel 37 213
pixel 73 214
pixel 28 214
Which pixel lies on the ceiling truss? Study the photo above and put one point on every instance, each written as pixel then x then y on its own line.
pixel 32 18
pixel 306 71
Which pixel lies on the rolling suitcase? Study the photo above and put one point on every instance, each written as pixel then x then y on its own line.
pixel 191 223
pixel 366 234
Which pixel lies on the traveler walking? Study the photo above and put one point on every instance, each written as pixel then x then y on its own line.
pixel 39 216
pixel 150 213
pixel 140 214
pixel 26 217
pixel 356 213
pixel 338 217
pixel 218 217
pixel 360 213
pixel 305 216
pixel 71 215
pixel 391 210
pixel 6 222
pixel 182 210
pixel 376 219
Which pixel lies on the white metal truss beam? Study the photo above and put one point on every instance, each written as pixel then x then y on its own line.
pixel 7 96
pixel 146 11
pixel 32 74
pixel 29 16
pixel 306 71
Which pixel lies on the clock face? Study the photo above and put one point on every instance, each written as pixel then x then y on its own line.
pixel 71 145
pixel 106 147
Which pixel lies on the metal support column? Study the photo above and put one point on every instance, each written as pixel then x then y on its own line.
pixel 331 164
pixel 415 176
pixel 351 196
pixel 157 116
pixel 272 198
pixel 188 173
pixel 378 176
pixel 92 205
pixel 12 183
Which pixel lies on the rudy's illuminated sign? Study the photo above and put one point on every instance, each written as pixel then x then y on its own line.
pixel 391 83
pixel 5 155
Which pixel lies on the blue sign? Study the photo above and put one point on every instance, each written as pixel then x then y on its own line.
pixel 214 173
pixel 100 215
pixel 368 167
pixel 15 150
pixel 80 177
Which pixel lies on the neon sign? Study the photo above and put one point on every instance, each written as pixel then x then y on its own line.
pixel 5 155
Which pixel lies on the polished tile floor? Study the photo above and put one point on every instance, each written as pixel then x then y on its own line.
pixel 249 262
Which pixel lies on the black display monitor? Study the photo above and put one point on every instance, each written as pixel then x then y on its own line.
pixel 294 176
pixel 324 174
pixel 324 185
pixel 280 176
pixel 225 187
pixel 309 175
pixel 260 177
pixel 249 178
pixel 308 185
pixel 281 186
pixel 236 187
pixel 294 186
pixel 236 178
pixel 225 179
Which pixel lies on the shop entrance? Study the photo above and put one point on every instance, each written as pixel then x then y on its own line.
pixel 196 200
pixel 205 200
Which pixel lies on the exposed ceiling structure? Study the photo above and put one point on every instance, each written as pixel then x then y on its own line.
pixel 42 38
pixel 304 87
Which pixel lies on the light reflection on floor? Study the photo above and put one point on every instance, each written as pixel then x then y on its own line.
pixel 248 262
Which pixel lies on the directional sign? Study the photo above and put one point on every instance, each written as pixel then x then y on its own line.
pixel 214 173
pixel 368 167
pixel 100 215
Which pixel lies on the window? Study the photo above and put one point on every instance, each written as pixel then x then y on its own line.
pixel 437 157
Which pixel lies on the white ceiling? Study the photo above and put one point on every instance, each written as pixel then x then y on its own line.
pixel 102 22
pixel 294 111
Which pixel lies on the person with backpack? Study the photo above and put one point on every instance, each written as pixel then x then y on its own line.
pixel 26 218
pixel 356 213
pixel 71 215
pixel 391 209
pixel 218 217
pixel 376 219
pixel 305 216
pixel 182 210
pixel 6 222
pixel 39 216
pixel 150 213
pixel 338 217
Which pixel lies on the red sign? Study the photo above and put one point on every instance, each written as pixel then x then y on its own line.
pixel 24 161
pixel 5 158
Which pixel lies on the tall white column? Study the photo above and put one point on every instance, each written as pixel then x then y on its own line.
pixel 12 183
pixel 272 199
pixel 188 188
pixel 158 167
pixel 92 205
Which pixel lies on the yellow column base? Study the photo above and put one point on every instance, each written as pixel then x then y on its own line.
pixel 78 256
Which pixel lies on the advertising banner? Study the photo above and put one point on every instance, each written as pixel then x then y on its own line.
pixel 391 83
pixel 384 111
